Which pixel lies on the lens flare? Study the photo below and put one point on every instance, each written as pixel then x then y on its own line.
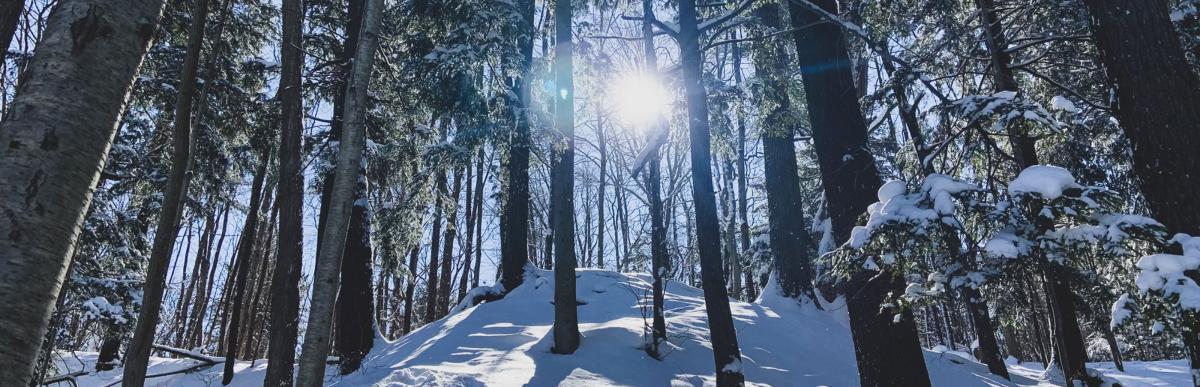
pixel 640 99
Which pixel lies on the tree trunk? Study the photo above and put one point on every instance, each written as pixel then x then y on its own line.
pixel 514 249
pixel 727 358
pixel 355 307
pixel 1114 348
pixel 245 254
pixel 110 346
pixel 792 249
pixel 1156 94
pixel 435 245
pixel 730 214
pixel 137 355
pixel 202 306
pixel 447 258
pixel 743 191
pixel 602 141
pixel 566 314
pixel 1012 344
pixel 285 283
pixel 888 353
pixel 659 261
pixel 410 288
pixel 468 237
pixel 325 274
pixel 479 181
pixel 10 18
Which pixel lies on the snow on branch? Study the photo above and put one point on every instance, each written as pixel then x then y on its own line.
pixel 663 27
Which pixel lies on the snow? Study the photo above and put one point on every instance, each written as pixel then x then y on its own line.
pixel 1120 311
pixel 891 189
pixel 99 307
pixel 784 342
pixel 733 366
pixel 942 188
pixel 1062 103
pixel 1164 272
pixel 935 201
pixel 1048 181
pixel 1137 373
pixel 1004 245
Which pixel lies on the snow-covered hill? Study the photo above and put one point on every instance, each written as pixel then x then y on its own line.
pixel 507 343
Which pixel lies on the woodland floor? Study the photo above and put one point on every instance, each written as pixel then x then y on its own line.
pixel 506 343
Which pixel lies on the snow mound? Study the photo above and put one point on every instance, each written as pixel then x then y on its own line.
pixel 507 343
pixel 1046 180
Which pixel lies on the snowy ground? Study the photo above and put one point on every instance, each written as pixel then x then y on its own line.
pixel 507 343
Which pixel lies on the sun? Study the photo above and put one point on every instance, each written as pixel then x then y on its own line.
pixel 640 99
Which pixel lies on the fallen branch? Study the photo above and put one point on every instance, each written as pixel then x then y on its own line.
pixel 69 378
pixel 188 354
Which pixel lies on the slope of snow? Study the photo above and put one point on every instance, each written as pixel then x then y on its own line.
pixel 507 343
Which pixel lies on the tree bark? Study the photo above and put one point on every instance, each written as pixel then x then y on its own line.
pixel 355 307
pixel 137 355
pixel 325 275
pixel 727 357
pixel 566 314
pixel 195 336
pixel 285 283
pixel 10 18
pixel 888 353
pixel 514 249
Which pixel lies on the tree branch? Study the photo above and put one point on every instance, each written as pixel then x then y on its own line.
pixel 716 21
